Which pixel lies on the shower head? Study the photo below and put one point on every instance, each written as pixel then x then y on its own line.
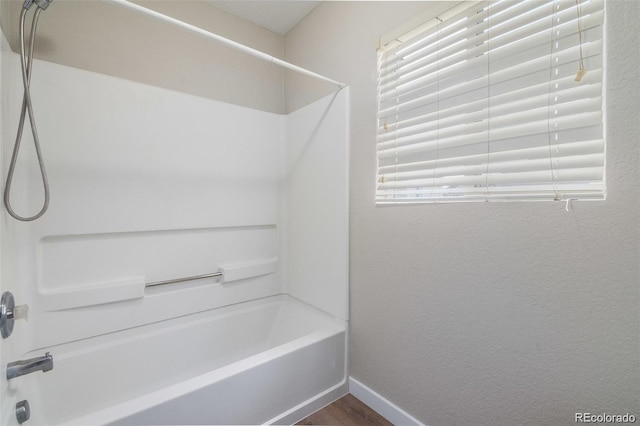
pixel 42 4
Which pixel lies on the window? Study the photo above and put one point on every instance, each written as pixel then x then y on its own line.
pixel 494 101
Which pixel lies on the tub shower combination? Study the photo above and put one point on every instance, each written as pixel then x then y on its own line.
pixel 164 286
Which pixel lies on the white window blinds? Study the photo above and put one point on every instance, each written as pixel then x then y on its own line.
pixel 483 104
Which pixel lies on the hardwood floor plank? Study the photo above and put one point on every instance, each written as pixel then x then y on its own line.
pixel 346 411
pixel 342 416
pixel 321 417
pixel 361 411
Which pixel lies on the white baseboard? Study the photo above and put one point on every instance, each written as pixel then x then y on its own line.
pixel 381 405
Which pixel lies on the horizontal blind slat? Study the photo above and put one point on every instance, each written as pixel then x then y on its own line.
pixel 494 166
pixel 537 152
pixel 536 177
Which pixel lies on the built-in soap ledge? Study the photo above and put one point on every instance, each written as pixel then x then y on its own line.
pixel 96 294
pixel 243 271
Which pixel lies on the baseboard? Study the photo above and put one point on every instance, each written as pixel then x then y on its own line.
pixel 381 405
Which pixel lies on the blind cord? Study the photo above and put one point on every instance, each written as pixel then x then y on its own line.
pixel 486 172
pixel 435 165
pixel 557 197
pixel 581 70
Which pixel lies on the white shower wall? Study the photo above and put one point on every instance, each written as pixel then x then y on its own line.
pixel 150 184
pixel 317 164
pixel 5 255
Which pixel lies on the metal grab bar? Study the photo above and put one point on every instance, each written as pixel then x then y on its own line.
pixel 179 280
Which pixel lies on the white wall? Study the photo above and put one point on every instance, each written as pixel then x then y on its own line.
pixel 495 314
pixel 103 37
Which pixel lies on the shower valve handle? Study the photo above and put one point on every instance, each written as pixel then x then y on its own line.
pixel 9 312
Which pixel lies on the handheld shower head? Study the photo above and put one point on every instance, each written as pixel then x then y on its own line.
pixel 26 62
pixel 42 4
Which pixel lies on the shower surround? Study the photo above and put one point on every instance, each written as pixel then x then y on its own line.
pixel 150 184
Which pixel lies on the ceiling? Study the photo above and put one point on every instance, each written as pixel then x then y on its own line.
pixel 277 16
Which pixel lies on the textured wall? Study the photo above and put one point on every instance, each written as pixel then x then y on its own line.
pixel 113 40
pixel 494 314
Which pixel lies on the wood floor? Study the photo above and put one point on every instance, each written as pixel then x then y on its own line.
pixel 347 411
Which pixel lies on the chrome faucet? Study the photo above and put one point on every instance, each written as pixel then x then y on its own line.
pixel 20 368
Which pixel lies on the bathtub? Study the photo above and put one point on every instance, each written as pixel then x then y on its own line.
pixel 273 361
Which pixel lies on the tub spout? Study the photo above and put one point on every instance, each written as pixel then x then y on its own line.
pixel 20 368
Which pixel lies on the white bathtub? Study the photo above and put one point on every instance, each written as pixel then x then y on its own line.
pixel 273 360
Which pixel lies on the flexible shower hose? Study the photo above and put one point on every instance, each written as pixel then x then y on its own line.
pixel 26 63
